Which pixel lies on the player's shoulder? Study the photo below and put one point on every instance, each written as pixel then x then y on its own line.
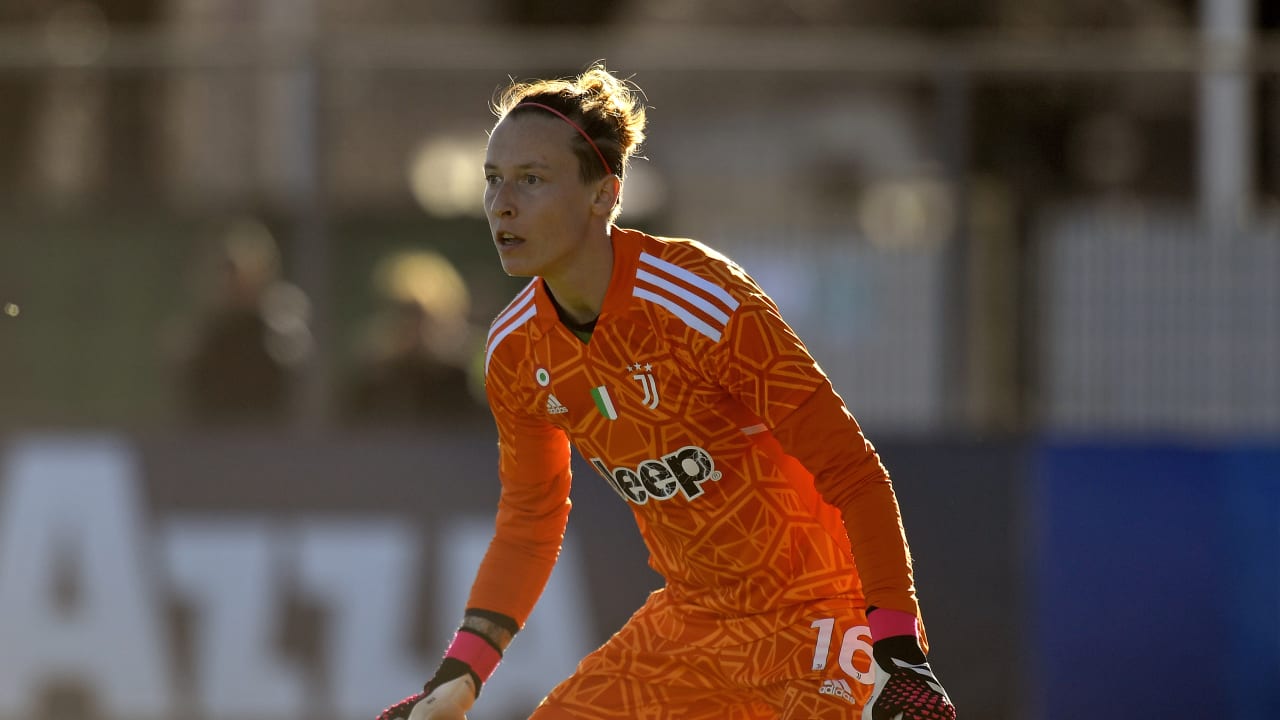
pixel 693 281
pixel 692 257
pixel 511 324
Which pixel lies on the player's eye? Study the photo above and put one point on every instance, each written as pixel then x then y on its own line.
pixel 491 179
pixel 531 179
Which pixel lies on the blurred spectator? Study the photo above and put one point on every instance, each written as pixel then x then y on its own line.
pixel 239 365
pixel 417 347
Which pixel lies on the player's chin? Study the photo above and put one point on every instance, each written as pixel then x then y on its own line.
pixel 517 267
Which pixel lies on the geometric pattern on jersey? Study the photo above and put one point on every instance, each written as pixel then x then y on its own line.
pixel 698 364
pixel 641 673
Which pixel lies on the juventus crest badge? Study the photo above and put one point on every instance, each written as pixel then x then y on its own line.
pixel 643 374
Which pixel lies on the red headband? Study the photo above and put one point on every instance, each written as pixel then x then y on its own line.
pixel 574 125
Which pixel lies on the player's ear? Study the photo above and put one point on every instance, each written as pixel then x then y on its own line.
pixel 608 190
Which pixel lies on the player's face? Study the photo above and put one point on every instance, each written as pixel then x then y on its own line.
pixel 539 209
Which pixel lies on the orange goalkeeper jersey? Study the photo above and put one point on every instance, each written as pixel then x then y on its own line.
pixel 703 410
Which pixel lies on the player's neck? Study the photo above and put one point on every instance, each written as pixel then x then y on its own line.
pixel 582 329
pixel 580 292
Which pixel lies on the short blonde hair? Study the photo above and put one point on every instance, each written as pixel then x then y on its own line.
pixel 608 110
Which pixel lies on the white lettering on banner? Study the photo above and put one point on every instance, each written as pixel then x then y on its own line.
pixel 363 574
pixel 553 641
pixel 230 572
pixel 76 502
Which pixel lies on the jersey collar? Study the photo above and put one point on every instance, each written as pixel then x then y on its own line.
pixel 627 245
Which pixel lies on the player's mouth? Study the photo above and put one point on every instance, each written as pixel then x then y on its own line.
pixel 506 240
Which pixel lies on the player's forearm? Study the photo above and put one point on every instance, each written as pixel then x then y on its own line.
pixel 510 580
pixel 880 548
pixel 847 472
pixel 864 495
pixel 519 561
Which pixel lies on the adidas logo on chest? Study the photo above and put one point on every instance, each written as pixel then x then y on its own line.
pixel 554 406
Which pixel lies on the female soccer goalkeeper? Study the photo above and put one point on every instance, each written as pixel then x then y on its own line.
pixel 788 583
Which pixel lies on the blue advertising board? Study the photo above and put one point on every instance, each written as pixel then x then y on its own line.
pixel 1155 582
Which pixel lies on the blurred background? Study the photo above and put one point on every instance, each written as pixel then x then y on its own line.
pixel 246 470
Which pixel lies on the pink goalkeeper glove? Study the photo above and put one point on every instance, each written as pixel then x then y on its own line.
pixel 468 662
pixel 905 688
pixel 448 701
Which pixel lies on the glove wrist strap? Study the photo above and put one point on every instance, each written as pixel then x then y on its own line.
pixel 886 623
pixel 476 652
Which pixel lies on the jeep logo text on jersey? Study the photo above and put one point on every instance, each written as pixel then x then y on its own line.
pixel 683 470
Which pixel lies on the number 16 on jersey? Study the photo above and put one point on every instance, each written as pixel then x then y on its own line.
pixel 856 640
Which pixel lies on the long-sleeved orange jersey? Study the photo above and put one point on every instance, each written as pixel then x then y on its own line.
pixel 752 485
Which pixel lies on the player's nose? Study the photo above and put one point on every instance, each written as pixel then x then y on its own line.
pixel 500 202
